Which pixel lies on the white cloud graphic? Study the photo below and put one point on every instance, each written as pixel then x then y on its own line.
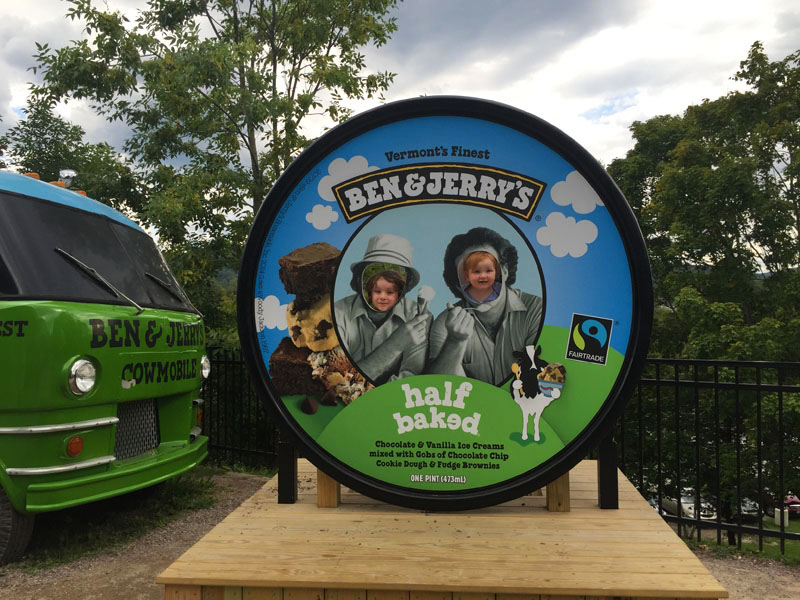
pixel 566 236
pixel 322 216
pixel 576 191
pixel 270 314
pixel 341 170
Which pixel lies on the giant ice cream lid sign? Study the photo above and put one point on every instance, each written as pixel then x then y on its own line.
pixel 445 301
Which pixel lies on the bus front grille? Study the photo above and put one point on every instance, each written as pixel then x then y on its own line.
pixel 137 430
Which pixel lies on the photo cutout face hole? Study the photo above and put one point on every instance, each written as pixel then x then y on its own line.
pixel 382 285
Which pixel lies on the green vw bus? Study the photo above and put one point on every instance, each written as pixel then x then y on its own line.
pixel 101 358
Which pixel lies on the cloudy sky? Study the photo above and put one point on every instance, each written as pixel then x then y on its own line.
pixel 590 68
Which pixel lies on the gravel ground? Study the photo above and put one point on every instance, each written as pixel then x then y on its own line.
pixel 130 573
pixel 748 578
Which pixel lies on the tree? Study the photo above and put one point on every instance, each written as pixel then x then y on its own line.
pixel 716 194
pixel 44 143
pixel 215 93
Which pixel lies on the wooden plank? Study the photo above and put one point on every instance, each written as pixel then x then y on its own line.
pixel 565 582
pixel 558 494
pixel 335 594
pixel 431 596
pixel 473 596
pixel 387 595
pixel 262 593
pixel 303 593
pixel 518 596
pixel 232 592
pixel 183 592
pixel 213 592
pixel 382 553
pixel 329 492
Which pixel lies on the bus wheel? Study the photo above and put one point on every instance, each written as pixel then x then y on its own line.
pixel 15 530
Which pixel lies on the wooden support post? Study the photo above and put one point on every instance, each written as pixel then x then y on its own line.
pixel 329 492
pixel 183 592
pixel 287 473
pixel 607 484
pixel 558 494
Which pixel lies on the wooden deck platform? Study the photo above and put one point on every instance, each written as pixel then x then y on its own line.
pixel 367 550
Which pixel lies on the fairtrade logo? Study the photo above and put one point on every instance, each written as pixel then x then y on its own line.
pixel 589 339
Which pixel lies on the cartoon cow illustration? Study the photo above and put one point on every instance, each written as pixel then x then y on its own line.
pixel 536 385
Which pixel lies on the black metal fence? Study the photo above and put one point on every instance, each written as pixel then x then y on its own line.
pixel 239 431
pixel 713 445
pixel 716 445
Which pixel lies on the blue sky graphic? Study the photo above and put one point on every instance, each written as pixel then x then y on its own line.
pixel 597 283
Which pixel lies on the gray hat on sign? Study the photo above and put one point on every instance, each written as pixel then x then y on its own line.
pixel 390 249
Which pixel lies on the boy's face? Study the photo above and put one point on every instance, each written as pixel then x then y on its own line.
pixel 384 295
pixel 482 276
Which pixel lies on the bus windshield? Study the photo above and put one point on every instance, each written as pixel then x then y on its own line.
pixel 51 251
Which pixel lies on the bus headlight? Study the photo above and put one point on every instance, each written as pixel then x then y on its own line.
pixel 205 367
pixel 82 376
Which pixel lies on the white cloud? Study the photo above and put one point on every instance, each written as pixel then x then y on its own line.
pixel 566 236
pixel 270 314
pixel 577 192
pixel 590 69
pixel 321 216
pixel 341 170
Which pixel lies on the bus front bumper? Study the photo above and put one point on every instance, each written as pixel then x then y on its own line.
pixel 118 477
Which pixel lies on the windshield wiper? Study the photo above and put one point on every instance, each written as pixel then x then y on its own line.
pixel 99 279
pixel 166 286
pixel 172 291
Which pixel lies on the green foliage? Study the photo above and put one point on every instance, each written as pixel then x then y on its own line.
pixel 716 194
pixel 44 143
pixel 216 93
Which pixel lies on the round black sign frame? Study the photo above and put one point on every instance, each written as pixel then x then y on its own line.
pixel 641 289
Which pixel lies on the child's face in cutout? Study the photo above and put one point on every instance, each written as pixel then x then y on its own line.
pixel 482 275
pixel 384 295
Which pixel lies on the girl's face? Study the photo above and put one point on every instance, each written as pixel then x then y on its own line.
pixel 482 276
pixel 384 295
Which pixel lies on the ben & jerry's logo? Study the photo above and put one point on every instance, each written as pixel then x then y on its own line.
pixel 465 184
pixel 589 339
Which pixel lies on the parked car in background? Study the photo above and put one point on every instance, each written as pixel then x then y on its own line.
pixel 791 502
pixel 653 501
pixel 687 506
pixel 749 511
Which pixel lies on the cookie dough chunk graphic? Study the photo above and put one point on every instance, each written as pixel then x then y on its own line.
pixel 552 378
pixel 554 372
pixel 338 375
pixel 308 272
pixel 312 327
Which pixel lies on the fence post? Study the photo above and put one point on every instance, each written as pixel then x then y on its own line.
pixel 287 472
pixel 607 482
